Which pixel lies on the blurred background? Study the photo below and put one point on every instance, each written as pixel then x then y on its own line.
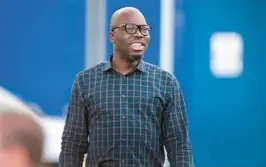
pixel 215 48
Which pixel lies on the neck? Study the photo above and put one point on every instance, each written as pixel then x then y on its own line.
pixel 123 66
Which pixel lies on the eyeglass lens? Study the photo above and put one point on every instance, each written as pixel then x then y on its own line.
pixel 132 28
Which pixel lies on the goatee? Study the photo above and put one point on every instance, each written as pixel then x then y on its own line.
pixel 134 58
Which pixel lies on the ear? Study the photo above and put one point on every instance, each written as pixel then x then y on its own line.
pixel 111 36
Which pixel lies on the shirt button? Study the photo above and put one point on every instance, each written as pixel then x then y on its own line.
pixel 123 161
pixel 123 117
pixel 123 140
pixel 123 96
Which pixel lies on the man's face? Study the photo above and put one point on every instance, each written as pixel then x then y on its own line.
pixel 131 37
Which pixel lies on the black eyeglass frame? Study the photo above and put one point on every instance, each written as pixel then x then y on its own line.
pixel 139 27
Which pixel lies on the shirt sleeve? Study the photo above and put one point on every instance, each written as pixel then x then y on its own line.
pixel 75 133
pixel 175 128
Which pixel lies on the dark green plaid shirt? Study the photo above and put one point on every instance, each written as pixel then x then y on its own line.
pixel 128 119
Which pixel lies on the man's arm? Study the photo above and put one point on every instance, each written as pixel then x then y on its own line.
pixel 75 134
pixel 175 128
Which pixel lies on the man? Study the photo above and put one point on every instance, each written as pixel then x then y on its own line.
pixel 21 136
pixel 129 109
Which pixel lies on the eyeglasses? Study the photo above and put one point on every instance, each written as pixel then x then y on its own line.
pixel 133 28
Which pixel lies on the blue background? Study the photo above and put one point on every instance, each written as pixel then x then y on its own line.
pixel 228 115
pixel 42 49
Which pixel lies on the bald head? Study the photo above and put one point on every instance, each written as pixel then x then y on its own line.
pixel 126 15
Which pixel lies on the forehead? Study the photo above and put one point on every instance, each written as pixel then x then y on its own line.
pixel 131 17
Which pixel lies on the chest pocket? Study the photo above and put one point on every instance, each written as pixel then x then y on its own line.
pixel 151 103
pixel 151 107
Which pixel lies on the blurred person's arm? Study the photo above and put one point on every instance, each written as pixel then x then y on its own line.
pixel 75 134
pixel 175 128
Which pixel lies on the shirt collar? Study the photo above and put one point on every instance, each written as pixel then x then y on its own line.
pixel 140 67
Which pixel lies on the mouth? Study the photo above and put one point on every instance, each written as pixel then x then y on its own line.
pixel 138 42
pixel 138 46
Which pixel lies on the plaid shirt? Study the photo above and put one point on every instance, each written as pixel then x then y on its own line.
pixel 125 120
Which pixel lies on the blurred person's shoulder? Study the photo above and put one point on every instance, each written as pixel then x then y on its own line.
pixel 9 102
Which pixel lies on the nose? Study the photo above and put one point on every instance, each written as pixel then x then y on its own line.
pixel 138 33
